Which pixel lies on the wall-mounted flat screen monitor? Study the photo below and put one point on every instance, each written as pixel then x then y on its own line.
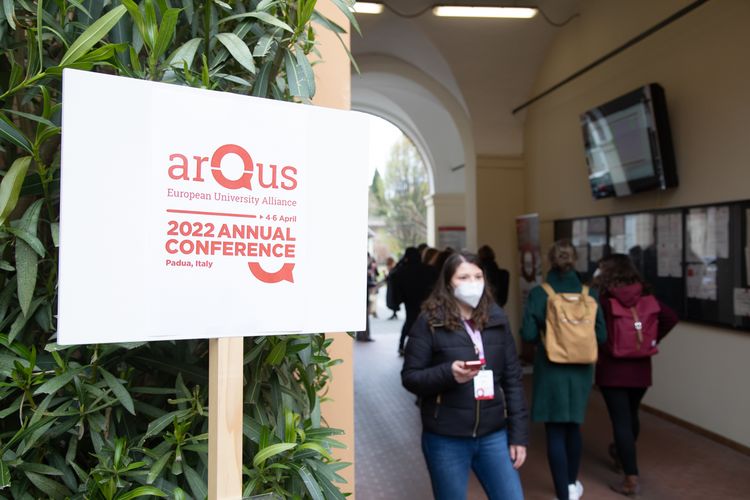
pixel 628 144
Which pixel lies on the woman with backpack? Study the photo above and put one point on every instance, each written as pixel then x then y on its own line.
pixel 561 388
pixel 636 322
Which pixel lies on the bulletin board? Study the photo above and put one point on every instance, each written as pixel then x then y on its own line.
pixel 696 258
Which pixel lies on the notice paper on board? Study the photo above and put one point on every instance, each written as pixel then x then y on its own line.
pixel 188 213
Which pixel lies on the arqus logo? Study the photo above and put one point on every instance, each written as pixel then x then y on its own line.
pixel 245 240
pixel 181 170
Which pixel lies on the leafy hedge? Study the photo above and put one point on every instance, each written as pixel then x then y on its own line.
pixel 120 421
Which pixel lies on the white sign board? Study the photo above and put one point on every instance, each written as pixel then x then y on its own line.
pixel 188 213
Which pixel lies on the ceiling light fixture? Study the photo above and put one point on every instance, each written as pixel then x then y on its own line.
pixel 367 8
pixel 494 12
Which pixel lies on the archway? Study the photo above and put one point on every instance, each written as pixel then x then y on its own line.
pixel 437 124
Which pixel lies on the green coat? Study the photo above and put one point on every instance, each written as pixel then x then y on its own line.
pixel 561 391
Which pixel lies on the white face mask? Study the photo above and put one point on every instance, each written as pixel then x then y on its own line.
pixel 597 273
pixel 469 293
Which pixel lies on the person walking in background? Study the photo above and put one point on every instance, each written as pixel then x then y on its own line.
pixel 372 285
pixel 461 362
pixel 390 302
pixel 560 390
pixel 364 335
pixel 497 277
pixel 636 322
pixel 412 283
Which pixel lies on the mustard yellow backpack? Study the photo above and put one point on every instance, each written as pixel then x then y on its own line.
pixel 570 335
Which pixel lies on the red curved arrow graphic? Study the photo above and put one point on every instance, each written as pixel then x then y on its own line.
pixel 283 274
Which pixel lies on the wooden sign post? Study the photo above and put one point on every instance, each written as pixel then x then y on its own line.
pixel 225 418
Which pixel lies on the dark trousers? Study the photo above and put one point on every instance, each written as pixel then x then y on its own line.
pixel 411 318
pixel 563 454
pixel 622 405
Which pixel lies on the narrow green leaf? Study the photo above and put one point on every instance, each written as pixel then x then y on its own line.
pixel 185 53
pixel 343 7
pixel 10 14
pixel 27 237
pixel 20 322
pixel 276 355
pixel 234 79
pixel 55 233
pixel 120 392
pixel 316 448
pixel 10 133
pixel 205 78
pixel 4 475
pixel 58 382
pixel 330 491
pixel 135 63
pixel 162 422
pixel 6 266
pixel 151 28
pixel 238 49
pixel 26 264
pixel 52 488
pixel 266 4
pixel 321 19
pixel 157 467
pixel 141 491
pixel 270 451
pixel 260 87
pixel 11 186
pixel 135 15
pixel 92 35
pixel 166 32
pixel 30 218
pixel 264 45
pixel 103 53
pixel 80 7
pixel 307 72
pixel 179 494
pixel 294 77
pixel 39 469
pixel 196 482
pixel 261 16
pixel 308 480
pixel 29 116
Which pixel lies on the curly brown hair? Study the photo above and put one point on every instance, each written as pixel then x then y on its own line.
pixel 441 307
pixel 616 270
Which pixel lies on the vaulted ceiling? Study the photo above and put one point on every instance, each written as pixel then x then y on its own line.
pixel 489 66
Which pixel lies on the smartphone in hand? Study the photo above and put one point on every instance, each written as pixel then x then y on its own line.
pixel 473 365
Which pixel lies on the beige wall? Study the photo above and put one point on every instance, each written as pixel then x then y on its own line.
pixel 445 209
pixel 703 63
pixel 499 199
pixel 333 82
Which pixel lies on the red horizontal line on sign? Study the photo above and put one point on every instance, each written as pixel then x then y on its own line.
pixel 220 214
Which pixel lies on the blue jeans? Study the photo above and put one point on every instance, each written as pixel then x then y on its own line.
pixel 450 458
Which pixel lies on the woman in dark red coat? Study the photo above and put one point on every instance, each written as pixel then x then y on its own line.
pixel 624 380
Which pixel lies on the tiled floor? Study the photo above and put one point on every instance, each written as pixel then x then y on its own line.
pixel 674 463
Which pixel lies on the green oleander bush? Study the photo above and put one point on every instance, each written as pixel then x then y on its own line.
pixel 121 421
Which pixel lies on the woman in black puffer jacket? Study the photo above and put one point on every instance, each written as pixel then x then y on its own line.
pixel 464 427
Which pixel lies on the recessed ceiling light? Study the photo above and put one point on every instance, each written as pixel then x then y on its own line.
pixel 367 8
pixel 507 12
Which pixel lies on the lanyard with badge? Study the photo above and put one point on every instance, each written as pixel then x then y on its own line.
pixel 484 386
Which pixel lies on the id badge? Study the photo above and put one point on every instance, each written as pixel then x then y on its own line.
pixel 484 386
